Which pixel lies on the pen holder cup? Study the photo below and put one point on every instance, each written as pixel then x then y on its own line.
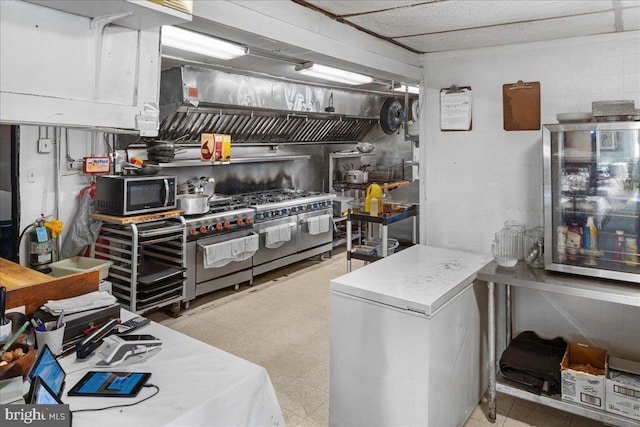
pixel 5 331
pixel 51 337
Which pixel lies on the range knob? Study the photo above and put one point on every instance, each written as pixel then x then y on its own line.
pixel 285 211
pixel 330 203
pixel 203 229
pixel 218 226
pixel 240 221
pixel 248 220
pixel 268 214
pixel 211 228
pixel 316 205
pixel 294 209
pixel 279 212
pixel 226 224
pixel 260 216
pixel 192 231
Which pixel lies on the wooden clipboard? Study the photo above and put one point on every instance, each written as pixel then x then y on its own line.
pixel 521 105
pixel 455 108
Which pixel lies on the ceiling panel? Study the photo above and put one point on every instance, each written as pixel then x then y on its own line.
pixel 350 7
pixel 523 32
pixel 454 15
pixel 631 18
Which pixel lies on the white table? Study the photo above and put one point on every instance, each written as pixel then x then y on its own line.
pixel 200 385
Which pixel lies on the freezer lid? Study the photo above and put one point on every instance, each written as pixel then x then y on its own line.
pixel 420 278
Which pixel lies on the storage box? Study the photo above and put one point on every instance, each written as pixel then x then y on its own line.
pixel 79 264
pixel 580 382
pixel 392 245
pixel 623 388
pixel 207 147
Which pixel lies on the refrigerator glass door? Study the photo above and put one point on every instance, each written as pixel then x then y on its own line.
pixel 592 202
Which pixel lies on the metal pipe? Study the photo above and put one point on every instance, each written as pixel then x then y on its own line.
pixel 491 335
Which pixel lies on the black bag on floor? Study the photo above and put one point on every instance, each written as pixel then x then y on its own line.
pixel 534 362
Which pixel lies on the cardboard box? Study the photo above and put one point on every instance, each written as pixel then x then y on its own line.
pixel 580 383
pixel 623 388
pixel 207 147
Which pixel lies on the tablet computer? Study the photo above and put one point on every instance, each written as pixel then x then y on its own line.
pixel 42 394
pixel 49 370
pixel 110 384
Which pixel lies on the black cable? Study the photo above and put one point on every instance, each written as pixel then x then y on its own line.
pixel 124 405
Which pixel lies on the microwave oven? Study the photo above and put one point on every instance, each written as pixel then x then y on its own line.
pixel 132 195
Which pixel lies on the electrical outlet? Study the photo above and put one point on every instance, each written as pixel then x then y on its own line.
pixel 31 175
pixel 44 145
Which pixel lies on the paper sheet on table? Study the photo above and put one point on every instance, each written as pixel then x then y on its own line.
pixel 455 109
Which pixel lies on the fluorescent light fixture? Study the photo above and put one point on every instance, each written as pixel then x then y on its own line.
pixel 411 89
pixel 190 41
pixel 334 74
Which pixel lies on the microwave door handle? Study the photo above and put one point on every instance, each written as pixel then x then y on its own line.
pixel 166 192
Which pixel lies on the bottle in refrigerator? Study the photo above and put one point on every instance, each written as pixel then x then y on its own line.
pixel 561 242
pixel 631 252
pixel 618 249
pixel 574 241
pixel 590 242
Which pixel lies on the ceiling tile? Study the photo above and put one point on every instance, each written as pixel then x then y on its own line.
pixel 350 7
pixel 514 33
pixel 452 15
pixel 631 18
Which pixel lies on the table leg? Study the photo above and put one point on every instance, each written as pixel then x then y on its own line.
pixel 349 245
pixel 491 334
pixel 508 323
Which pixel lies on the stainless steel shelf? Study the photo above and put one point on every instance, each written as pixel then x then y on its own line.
pixel 350 154
pixel 521 275
pixel 598 289
pixel 557 403
pixel 235 160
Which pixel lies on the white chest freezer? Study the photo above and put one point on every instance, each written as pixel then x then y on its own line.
pixel 409 340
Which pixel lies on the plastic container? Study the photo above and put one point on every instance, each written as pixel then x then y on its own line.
pixel 79 264
pixel 392 245
pixel 373 191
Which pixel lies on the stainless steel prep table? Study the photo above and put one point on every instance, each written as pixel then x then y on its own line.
pixel 541 280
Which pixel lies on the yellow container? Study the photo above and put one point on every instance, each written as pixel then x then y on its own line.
pixel 373 191
pixel 226 148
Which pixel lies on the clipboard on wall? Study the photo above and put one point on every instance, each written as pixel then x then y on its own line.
pixel 455 108
pixel 521 105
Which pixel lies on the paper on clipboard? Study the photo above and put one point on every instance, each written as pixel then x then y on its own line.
pixel 455 109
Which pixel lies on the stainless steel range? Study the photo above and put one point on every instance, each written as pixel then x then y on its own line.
pixel 220 247
pixel 248 234
pixel 292 225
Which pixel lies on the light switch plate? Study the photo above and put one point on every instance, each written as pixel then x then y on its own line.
pixel 44 145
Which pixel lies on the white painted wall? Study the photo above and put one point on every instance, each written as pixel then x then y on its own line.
pixel 40 196
pixel 55 70
pixel 476 180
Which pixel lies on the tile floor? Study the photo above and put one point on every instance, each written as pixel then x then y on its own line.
pixel 282 323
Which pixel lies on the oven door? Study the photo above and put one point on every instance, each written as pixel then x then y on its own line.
pixel 218 256
pixel 278 238
pixel 315 229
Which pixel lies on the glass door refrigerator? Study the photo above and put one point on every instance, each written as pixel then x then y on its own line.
pixel 591 199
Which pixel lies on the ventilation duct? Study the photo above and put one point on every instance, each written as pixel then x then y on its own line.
pixel 259 110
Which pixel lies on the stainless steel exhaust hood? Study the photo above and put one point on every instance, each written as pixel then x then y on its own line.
pixel 260 110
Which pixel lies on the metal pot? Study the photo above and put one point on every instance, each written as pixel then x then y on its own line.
pixel 357 176
pixel 193 204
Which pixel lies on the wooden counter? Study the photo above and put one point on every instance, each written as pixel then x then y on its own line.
pixel 32 289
